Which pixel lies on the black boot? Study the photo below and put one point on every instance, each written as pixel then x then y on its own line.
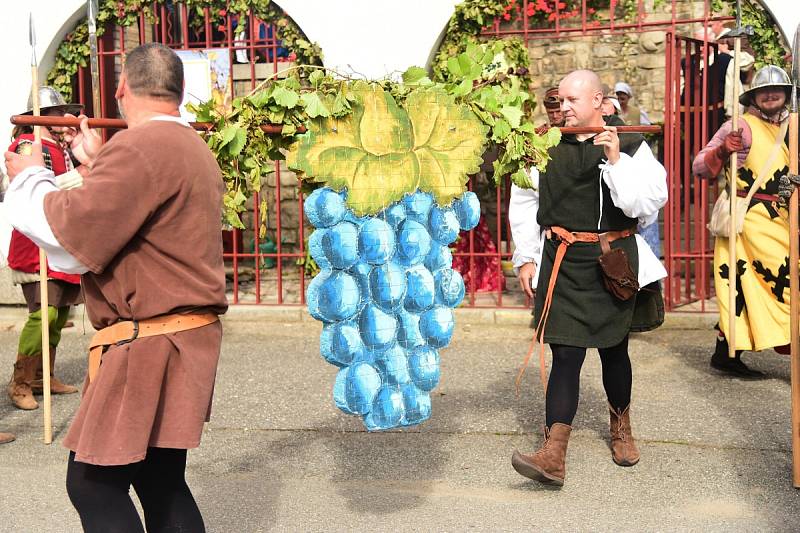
pixel 732 367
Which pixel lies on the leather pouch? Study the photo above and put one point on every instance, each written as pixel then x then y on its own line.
pixel 618 276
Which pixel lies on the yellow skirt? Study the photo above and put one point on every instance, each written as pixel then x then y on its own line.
pixel 762 296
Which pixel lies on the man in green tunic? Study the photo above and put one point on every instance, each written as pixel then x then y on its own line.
pixel 596 188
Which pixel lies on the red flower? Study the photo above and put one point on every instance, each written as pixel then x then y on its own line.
pixel 222 12
pixel 506 16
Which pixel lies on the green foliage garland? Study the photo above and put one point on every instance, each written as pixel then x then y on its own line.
pixel 245 153
pixel 74 49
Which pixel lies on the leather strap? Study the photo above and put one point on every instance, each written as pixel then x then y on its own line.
pixel 127 331
pixel 566 239
pixel 758 196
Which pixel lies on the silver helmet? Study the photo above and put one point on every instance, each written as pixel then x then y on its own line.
pixel 50 99
pixel 768 76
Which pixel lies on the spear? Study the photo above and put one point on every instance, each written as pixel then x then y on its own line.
pixel 91 22
pixel 794 258
pixel 118 123
pixel 44 309
pixel 736 34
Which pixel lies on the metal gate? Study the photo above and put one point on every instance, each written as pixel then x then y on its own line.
pixel 266 271
pixel 694 110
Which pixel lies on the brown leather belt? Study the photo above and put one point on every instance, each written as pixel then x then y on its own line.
pixel 566 238
pixel 127 331
pixel 759 196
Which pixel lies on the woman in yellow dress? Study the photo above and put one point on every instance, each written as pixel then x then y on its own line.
pixel 762 247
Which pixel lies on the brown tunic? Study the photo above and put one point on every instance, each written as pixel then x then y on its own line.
pixel 147 225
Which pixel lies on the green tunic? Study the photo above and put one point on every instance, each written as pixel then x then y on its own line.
pixel 583 312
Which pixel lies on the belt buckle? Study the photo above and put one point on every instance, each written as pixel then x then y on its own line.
pixel 135 334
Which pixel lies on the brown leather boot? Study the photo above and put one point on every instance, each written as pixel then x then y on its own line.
pixel 547 464
pixel 56 385
pixel 623 448
pixel 6 437
pixel 19 388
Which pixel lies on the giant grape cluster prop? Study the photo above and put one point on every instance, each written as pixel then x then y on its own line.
pixel 385 294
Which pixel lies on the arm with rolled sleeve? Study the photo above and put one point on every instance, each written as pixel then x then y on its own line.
pixel 525 231
pixel 638 184
pixel 24 209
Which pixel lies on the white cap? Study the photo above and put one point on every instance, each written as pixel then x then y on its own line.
pixel 622 87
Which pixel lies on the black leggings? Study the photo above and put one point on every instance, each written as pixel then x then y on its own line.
pixel 100 494
pixel 564 385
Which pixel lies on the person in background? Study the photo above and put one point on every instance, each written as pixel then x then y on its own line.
pixel 64 290
pixel 762 247
pixel 552 106
pixel 630 114
pixel 746 71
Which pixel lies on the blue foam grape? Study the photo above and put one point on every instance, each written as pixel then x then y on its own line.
pixel 440 256
pixel 313 294
pixel 467 210
pixel 360 271
pixel 376 242
pixel 449 287
pixel 340 244
pixel 418 206
pixel 378 329
pixel 338 297
pixel 423 367
pixel 394 214
pixel 392 365
pixel 413 243
pixel 316 250
pixel 325 345
pixel 416 405
pixel 324 208
pixel 340 392
pixel 345 343
pixel 420 289
pixel 408 335
pixel 387 284
pixel 443 225
pixel 436 326
pixel 361 388
pixel 387 409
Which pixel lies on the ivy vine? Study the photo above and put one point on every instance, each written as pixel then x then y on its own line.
pixel 767 42
pixel 73 52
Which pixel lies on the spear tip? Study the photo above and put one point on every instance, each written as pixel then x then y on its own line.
pixel 31 30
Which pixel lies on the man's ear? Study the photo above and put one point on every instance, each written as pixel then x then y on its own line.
pixel 122 86
pixel 597 100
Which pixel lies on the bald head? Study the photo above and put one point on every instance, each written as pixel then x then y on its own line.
pixel 581 94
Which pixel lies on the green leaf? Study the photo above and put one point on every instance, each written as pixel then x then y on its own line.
pixel 512 114
pixel 521 179
pixel 285 97
pixel 238 142
pixel 228 133
pixel 414 75
pixel 314 106
pixel 501 130
pixel 315 78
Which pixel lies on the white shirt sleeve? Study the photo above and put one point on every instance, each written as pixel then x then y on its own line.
pixel 24 209
pixel 525 231
pixel 638 184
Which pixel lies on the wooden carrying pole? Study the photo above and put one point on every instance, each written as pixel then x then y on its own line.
pixel 43 296
pixel 794 268
pixel 732 267
pixel 117 123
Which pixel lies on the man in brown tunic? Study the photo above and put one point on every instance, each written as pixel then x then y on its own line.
pixel 144 231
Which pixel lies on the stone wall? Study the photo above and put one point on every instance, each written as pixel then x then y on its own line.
pixel 637 58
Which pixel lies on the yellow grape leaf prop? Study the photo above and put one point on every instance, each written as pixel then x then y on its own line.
pixel 383 151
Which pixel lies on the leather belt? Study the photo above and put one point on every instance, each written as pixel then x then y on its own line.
pixel 759 196
pixel 127 331
pixel 566 239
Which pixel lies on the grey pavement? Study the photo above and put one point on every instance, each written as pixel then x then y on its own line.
pixel 277 454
